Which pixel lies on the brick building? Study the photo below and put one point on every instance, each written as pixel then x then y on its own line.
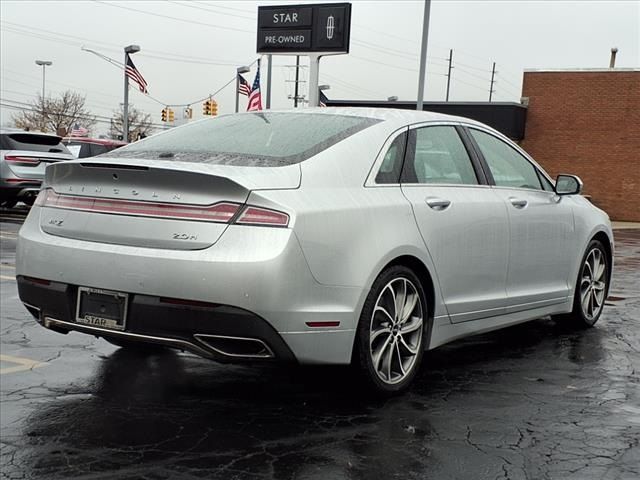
pixel 587 122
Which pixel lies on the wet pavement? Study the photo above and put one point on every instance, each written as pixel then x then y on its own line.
pixel 535 401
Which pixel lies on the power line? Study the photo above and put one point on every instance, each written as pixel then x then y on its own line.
pixel 157 54
pixel 210 10
pixel 175 19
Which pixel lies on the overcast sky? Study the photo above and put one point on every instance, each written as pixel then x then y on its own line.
pixel 191 49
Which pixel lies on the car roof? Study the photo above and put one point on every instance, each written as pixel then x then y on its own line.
pixel 9 130
pixel 395 116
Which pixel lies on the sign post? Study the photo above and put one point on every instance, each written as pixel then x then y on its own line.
pixel 314 30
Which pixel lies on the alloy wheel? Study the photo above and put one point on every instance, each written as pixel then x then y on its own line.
pixel 395 330
pixel 593 284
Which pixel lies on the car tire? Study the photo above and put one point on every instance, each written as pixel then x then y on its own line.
pixel 131 345
pixel 592 287
pixel 391 333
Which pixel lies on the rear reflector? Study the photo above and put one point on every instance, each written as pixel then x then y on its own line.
pixel 22 180
pixel 220 212
pixel 20 160
pixel 39 281
pixel 323 324
pixel 263 216
pixel 189 303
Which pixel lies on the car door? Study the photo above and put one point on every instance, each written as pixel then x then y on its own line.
pixel 541 223
pixel 463 223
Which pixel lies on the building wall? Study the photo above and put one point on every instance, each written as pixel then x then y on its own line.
pixel 588 123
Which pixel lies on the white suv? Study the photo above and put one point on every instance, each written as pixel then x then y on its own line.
pixel 23 159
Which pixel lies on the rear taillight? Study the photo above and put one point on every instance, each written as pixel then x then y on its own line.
pixel 223 212
pixel 220 212
pixel 21 160
pixel 262 216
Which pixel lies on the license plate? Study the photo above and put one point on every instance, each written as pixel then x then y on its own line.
pixel 102 308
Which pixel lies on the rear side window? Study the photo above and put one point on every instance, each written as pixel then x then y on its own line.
pixel 437 155
pixel 392 163
pixel 32 142
pixel 252 139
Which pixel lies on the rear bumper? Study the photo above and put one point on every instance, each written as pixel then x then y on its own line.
pixel 219 332
pixel 257 277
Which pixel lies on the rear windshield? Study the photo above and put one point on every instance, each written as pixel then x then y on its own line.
pixel 255 139
pixel 32 142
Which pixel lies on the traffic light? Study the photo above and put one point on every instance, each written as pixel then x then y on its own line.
pixel 188 113
pixel 214 107
pixel 171 115
pixel 164 114
pixel 206 107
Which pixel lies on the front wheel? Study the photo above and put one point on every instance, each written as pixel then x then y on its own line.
pixel 391 331
pixel 592 286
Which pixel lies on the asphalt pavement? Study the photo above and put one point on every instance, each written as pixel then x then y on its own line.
pixel 535 401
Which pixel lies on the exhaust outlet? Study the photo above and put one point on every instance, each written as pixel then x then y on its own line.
pixel 237 347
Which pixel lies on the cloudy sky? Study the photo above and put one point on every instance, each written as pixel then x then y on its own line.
pixel 191 49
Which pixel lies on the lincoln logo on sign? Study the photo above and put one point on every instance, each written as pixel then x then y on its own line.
pixel 330 27
pixel 301 29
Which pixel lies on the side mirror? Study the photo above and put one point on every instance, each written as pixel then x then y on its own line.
pixel 568 185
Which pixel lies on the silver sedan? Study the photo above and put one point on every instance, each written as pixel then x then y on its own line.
pixel 317 236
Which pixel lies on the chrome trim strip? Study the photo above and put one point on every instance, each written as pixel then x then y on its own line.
pixel 202 338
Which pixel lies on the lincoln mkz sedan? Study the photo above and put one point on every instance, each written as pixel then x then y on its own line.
pixel 320 236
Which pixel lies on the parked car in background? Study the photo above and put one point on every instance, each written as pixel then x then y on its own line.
pixel 82 147
pixel 317 236
pixel 23 159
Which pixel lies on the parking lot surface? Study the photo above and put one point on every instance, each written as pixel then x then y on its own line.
pixel 535 401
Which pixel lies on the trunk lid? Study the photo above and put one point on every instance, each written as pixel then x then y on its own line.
pixel 155 204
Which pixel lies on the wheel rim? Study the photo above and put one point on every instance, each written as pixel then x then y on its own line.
pixel 395 331
pixel 593 284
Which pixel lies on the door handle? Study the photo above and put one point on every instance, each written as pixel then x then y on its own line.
pixel 438 203
pixel 518 202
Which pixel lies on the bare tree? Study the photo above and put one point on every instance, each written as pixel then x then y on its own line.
pixel 56 114
pixel 140 124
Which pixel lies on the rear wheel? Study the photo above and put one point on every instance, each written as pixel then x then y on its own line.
pixel 592 286
pixel 390 336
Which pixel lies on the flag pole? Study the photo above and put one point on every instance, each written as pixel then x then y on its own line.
pixel 125 106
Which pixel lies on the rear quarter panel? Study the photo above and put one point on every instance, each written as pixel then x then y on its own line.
pixel 349 232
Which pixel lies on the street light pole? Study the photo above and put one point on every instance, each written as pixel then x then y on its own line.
pixel 44 64
pixel 423 53
pixel 125 108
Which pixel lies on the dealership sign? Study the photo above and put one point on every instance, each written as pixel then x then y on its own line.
pixel 300 29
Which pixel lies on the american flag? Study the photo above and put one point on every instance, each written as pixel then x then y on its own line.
pixel 132 72
pixel 243 86
pixel 255 98
pixel 78 131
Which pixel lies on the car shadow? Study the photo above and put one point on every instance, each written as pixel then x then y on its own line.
pixel 170 415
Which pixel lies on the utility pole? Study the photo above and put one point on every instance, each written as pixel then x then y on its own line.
pixel 493 75
pixel 449 73
pixel 423 53
pixel 295 91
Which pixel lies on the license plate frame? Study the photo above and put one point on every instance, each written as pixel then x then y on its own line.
pixel 99 308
